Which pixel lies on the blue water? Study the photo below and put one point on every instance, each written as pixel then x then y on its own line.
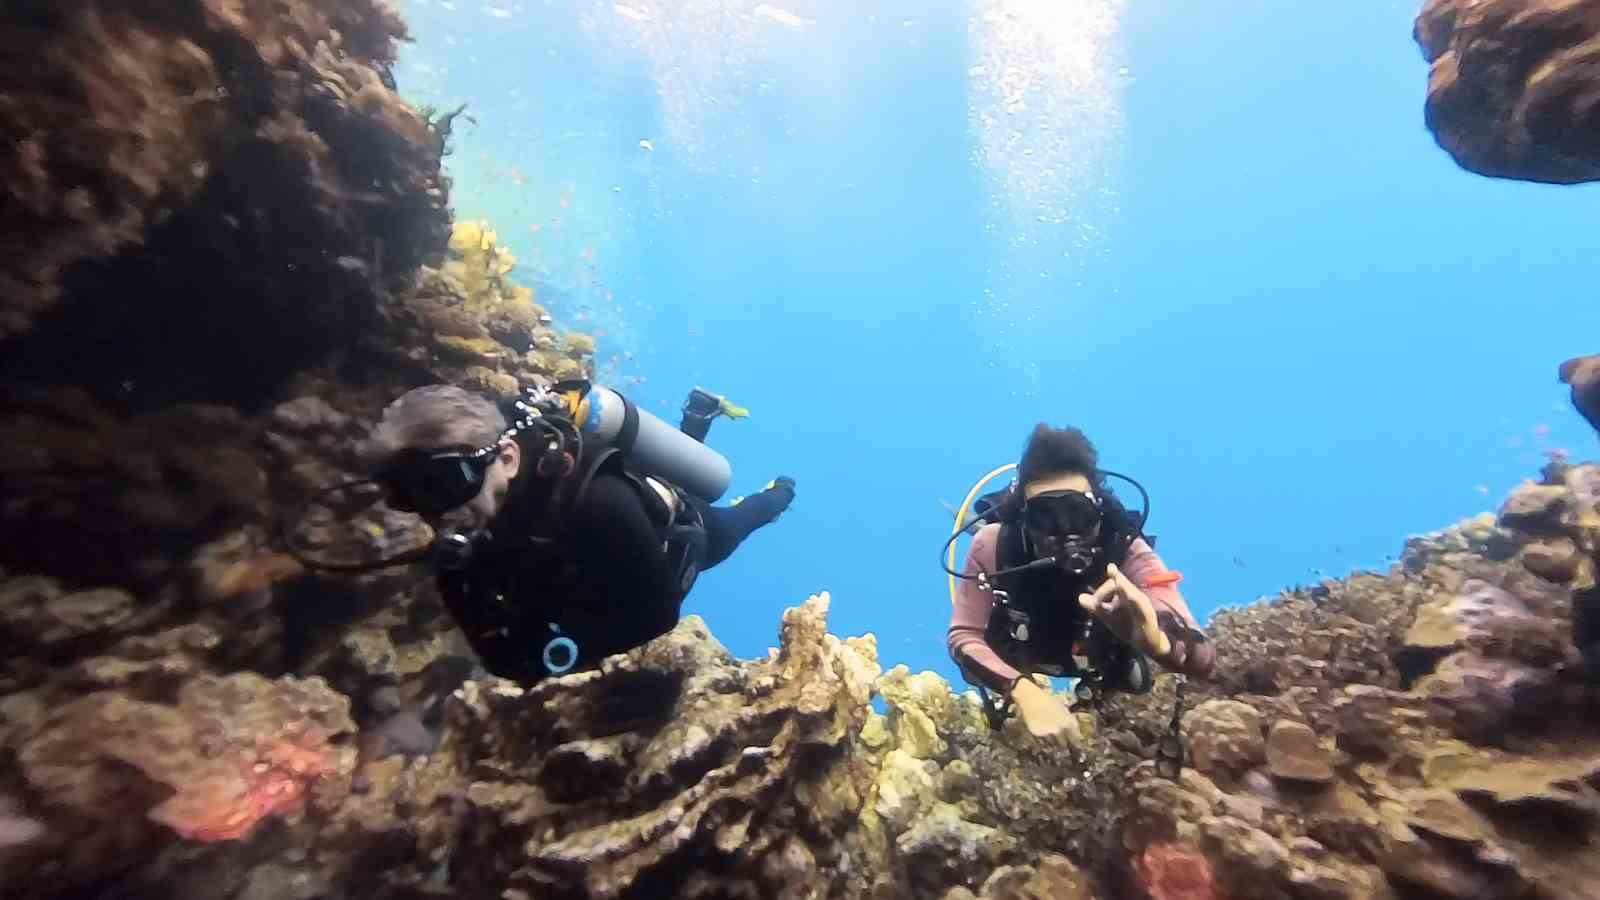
pixel 1277 302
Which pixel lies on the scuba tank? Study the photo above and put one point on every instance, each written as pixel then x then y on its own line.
pixel 655 446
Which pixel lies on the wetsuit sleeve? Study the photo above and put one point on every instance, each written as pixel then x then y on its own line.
pixel 970 616
pixel 1145 569
pixel 636 589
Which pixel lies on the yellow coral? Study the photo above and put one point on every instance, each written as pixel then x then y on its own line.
pixel 481 266
pixel 504 261
pixel 467 237
pixel 579 344
pixel 483 350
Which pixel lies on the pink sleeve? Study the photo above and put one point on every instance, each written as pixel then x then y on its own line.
pixel 1145 569
pixel 970 617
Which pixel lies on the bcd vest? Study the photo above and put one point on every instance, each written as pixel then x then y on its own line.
pixel 501 597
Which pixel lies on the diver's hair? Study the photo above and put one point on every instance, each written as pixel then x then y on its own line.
pixel 1052 451
pixel 436 417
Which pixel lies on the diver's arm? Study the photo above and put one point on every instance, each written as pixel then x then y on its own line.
pixel 970 616
pixel 637 589
pixel 1188 655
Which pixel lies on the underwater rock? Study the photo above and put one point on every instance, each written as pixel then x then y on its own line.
pixel 1583 374
pixel 190 226
pixel 1557 560
pixel 1535 508
pixel 1512 92
pixel 1173 872
pixel 1294 753
pixel 1224 734
pixel 1054 878
pixel 1328 758
pixel 110 773
pixel 138 490
pixel 626 781
pixel 1444 625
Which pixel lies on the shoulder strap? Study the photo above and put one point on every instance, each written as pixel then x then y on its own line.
pixel 606 458
pixel 1008 549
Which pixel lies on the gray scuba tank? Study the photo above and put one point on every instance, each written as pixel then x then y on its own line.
pixel 656 447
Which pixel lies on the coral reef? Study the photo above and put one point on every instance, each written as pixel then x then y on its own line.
pixel 1428 731
pixel 469 322
pixel 229 246
pixel 1583 375
pixel 204 197
pixel 1513 91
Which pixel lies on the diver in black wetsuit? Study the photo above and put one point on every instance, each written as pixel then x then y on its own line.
pixel 555 547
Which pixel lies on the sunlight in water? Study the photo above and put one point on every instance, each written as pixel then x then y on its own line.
pixel 701 54
pixel 1046 117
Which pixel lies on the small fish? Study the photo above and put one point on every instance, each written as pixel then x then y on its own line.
pixel 645 144
pixel 534 228
pixel 1482 489
pixel 1239 562
pixel 587 254
pixel 498 12
pixel 629 12
pixel 564 202
pixel 1541 430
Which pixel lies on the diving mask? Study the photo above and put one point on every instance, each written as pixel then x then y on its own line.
pixel 431 483
pixel 1065 526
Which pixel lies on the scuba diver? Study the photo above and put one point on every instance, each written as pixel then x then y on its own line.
pixel 570 532
pixel 1061 581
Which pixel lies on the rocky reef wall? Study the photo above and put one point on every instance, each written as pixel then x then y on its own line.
pixel 1513 90
pixel 1430 731
pixel 229 243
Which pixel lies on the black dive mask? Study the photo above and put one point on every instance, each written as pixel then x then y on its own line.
pixel 431 484
pixel 1065 526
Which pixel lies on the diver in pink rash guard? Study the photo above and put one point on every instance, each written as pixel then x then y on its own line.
pixel 1073 576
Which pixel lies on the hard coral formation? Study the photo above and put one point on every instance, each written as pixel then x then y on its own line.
pixel 469 322
pixel 1583 374
pixel 229 752
pixel 1514 90
pixel 184 711
pixel 232 183
pixel 1423 732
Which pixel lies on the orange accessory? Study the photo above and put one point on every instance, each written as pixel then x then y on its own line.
pixel 1168 578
